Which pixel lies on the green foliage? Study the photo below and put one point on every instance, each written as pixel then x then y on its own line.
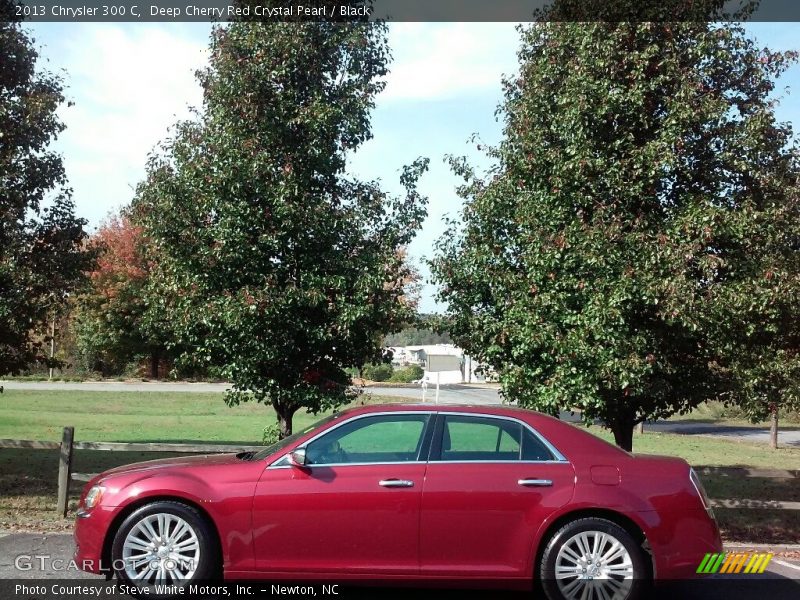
pixel 617 259
pixel 109 316
pixel 41 256
pixel 272 264
pixel 407 374
pixel 378 372
pixel 271 434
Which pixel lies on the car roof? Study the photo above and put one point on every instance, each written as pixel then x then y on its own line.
pixel 491 409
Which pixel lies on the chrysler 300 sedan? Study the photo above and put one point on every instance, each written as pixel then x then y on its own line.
pixel 419 492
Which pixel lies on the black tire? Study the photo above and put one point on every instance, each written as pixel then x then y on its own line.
pixel 565 589
pixel 205 567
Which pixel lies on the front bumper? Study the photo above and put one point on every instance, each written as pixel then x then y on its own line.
pixel 89 535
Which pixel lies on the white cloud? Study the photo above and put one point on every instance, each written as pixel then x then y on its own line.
pixel 445 60
pixel 129 85
pixel 131 82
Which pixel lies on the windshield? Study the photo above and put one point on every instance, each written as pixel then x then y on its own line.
pixel 289 440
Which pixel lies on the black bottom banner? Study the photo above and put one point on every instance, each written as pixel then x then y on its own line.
pixel 711 588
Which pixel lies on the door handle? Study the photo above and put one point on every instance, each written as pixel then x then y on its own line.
pixel 395 483
pixel 536 482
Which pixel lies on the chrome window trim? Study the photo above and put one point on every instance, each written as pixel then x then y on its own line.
pixel 498 462
pixel 285 457
pixel 275 465
pixel 559 458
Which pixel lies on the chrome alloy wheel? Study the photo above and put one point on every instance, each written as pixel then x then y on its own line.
pixel 161 548
pixel 594 565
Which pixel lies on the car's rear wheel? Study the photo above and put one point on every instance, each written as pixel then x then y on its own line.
pixel 593 559
pixel 164 543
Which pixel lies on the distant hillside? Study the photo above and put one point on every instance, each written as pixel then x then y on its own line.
pixel 417 337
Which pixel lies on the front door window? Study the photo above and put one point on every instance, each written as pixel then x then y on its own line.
pixel 370 440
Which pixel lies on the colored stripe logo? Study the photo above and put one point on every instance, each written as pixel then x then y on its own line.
pixel 735 562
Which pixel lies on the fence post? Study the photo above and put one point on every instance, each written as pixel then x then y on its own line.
pixel 65 470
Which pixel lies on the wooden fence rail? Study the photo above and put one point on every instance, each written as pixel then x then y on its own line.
pixel 68 445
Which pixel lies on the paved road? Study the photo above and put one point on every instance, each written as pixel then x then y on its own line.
pixel 448 394
pixel 781 582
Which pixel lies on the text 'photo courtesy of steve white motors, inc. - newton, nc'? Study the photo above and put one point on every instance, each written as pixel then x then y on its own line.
pixel 73 590
pixel 138 11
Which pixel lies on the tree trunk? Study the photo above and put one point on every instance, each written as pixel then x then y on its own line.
pixel 285 415
pixel 623 434
pixel 154 360
pixel 773 428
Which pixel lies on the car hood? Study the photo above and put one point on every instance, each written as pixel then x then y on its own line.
pixel 204 460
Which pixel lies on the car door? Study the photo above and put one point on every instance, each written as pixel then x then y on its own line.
pixel 490 482
pixel 354 508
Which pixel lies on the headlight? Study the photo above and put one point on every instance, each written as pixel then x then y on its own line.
pixel 93 496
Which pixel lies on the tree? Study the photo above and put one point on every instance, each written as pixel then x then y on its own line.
pixel 596 265
pixel 41 255
pixel 763 299
pixel 111 316
pixel 272 263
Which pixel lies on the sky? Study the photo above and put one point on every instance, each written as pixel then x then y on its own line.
pixel 130 82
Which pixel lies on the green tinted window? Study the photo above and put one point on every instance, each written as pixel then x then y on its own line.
pixel 466 438
pixel 382 438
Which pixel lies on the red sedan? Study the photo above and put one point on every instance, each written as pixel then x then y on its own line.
pixel 420 492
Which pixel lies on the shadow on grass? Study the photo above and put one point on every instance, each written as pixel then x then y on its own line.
pixel 205 442
pixel 725 423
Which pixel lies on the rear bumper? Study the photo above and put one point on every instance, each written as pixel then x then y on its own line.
pixel 680 541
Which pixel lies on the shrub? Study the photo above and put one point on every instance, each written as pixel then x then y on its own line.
pixel 271 434
pixel 381 372
pixel 407 374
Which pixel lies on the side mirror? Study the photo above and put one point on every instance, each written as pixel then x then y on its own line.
pixel 297 457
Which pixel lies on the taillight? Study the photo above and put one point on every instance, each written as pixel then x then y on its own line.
pixel 701 491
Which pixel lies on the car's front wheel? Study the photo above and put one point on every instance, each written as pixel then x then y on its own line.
pixel 164 543
pixel 593 558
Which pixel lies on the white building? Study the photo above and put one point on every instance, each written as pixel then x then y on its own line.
pixel 444 362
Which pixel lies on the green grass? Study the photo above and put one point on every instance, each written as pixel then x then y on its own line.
pixel 717 412
pixel 707 451
pixel 730 483
pixel 134 417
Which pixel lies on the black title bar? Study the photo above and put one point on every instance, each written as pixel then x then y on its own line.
pixel 400 10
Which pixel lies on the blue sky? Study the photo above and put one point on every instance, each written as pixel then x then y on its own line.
pixel 130 82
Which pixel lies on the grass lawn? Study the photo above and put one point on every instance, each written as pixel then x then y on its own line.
pixel 28 477
pixel 703 450
pixel 716 412
pixel 134 417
